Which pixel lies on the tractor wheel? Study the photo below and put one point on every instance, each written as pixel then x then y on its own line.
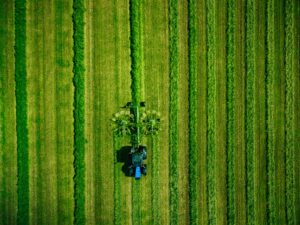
pixel 144 169
pixel 130 171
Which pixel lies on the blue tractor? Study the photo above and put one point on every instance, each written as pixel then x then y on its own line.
pixel 136 166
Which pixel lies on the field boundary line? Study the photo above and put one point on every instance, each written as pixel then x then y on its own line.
pixel 21 113
pixel 79 111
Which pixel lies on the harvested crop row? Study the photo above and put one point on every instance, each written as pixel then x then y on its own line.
pixel 231 213
pixel 250 73
pixel 289 113
pixel 135 51
pixel 156 216
pixel 193 145
pixel 270 114
pixel 174 73
pixel 21 110
pixel 79 139
pixel 211 110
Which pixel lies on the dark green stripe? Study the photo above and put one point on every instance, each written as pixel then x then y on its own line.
pixel 174 73
pixel 231 43
pixel 270 114
pixel 193 144
pixel 211 110
pixel 21 112
pixel 79 139
pixel 250 68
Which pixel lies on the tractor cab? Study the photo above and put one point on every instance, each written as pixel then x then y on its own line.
pixel 136 165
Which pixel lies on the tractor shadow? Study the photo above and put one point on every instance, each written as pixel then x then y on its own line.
pixel 123 157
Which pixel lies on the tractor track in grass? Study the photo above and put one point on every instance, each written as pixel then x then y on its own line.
pixel 21 113
pixel 202 110
pixel 220 103
pixel 193 113
pixel 231 124
pixel 260 142
pixel 211 111
pixel 250 73
pixel 8 142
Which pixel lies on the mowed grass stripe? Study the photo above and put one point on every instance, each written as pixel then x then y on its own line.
pixel 250 73
pixel 118 217
pixel 183 114
pixel 221 195
pixel 193 119
pixel 8 142
pixel 89 117
pixel 79 111
pixel 211 111
pixel 21 113
pixel 260 151
pixel 156 89
pixel 202 109
pixel 43 198
pixel 279 117
pixel 239 109
pixel 173 117
pixel 64 106
pixel 271 210
pixel 289 111
pixel 124 81
pixel 231 115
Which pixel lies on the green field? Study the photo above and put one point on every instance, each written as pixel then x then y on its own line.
pixel 224 76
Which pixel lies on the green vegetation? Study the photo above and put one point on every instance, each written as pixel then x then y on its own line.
pixel 231 42
pixel 79 98
pixel 211 110
pixel 193 144
pixel 155 180
pixel 224 76
pixel 290 116
pixel 21 110
pixel 250 73
pixel 135 50
pixel 174 70
pixel 270 115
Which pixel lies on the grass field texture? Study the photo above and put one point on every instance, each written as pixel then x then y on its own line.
pixel 224 76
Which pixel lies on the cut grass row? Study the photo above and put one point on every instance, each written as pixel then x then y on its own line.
pixel 193 144
pixel 79 138
pixel 135 53
pixel 231 49
pixel 211 110
pixel 290 117
pixel 271 215
pixel 174 76
pixel 250 73
pixel 21 112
